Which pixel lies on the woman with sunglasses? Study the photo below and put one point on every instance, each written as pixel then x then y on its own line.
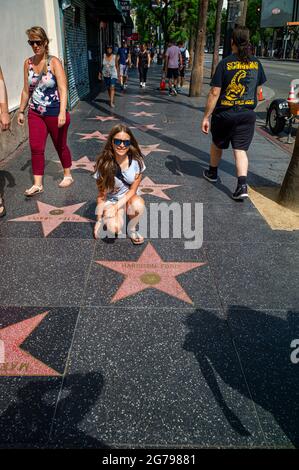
pixel 45 88
pixel 118 174
pixel 109 72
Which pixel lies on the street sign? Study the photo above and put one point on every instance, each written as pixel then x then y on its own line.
pixel 125 5
pixel 133 37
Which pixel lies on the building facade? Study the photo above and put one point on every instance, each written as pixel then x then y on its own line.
pixel 78 31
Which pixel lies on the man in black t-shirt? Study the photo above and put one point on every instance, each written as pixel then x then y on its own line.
pixel 231 102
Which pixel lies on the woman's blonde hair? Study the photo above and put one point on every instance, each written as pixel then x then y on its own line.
pixel 40 33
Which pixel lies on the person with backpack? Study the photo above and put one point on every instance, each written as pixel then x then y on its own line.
pixel 45 89
pixel 124 62
pixel 182 67
pixel 231 102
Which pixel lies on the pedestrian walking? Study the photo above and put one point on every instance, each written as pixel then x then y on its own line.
pixel 124 62
pixel 4 126
pixel 231 102
pixel 143 64
pixel 109 72
pixel 152 53
pixel 119 170
pixel 173 58
pixel 182 67
pixel 45 90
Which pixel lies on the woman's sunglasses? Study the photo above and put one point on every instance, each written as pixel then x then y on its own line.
pixel 118 142
pixel 38 43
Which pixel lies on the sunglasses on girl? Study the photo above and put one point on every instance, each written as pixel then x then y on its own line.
pixel 118 142
pixel 38 43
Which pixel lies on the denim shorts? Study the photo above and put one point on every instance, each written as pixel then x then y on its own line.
pixel 110 82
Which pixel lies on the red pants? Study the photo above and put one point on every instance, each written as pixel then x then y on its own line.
pixel 39 128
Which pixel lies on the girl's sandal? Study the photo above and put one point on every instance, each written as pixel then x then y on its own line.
pixel 35 189
pixel 135 237
pixel 2 208
pixel 67 181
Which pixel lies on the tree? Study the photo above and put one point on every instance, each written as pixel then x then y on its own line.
pixel 217 36
pixel 289 191
pixel 175 17
pixel 198 63
pixel 242 19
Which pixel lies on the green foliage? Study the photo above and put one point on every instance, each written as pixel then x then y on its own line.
pixel 253 18
pixel 180 19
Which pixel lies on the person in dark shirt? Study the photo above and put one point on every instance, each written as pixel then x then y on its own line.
pixel 143 64
pixel 231 102
pixel 124 63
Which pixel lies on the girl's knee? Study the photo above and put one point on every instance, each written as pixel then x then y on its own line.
pixel 135 205
pixel 114 226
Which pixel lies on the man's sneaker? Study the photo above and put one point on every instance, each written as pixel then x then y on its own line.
pixel 125 86
pixel 175 91
pixel 210 176
pixel 140 85
pixel 170 92
pixel 241 192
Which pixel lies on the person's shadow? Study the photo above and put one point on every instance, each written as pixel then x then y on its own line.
pixel 268 377
pixel 6 180
pixel 28 421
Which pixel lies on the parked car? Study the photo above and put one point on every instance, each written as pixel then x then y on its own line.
pixel 221 50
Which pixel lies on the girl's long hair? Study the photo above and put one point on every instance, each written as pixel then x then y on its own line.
pixel 41 33
pixel 240 37
pixel 106 163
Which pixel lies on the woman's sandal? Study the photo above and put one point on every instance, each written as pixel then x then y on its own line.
pixel 2 207
pixel 135 237
pixel 67 181
pixel 35 189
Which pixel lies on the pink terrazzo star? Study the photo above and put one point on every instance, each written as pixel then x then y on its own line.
pixel 142 103
pixel 144 114
pixel 150 271
pixel 103 118
pixel 147 149
pixel 147 186
pixel 82 164
pixel 51 216
pixel 94 135
pixel 16 361
pixel 147 127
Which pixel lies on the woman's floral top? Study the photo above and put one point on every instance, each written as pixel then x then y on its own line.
pixel 44 99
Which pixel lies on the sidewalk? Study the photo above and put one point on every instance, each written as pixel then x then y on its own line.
pixel 97 349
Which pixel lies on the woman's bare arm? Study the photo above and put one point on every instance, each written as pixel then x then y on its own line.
pixel 59 73
pixel 24 95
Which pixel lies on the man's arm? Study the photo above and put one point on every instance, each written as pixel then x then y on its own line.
pixel 166 64
pixel 4 114
pixel 210 106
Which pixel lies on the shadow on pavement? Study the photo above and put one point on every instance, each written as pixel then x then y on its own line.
pixel 26 422
pixel 6 179
pixel 261 342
